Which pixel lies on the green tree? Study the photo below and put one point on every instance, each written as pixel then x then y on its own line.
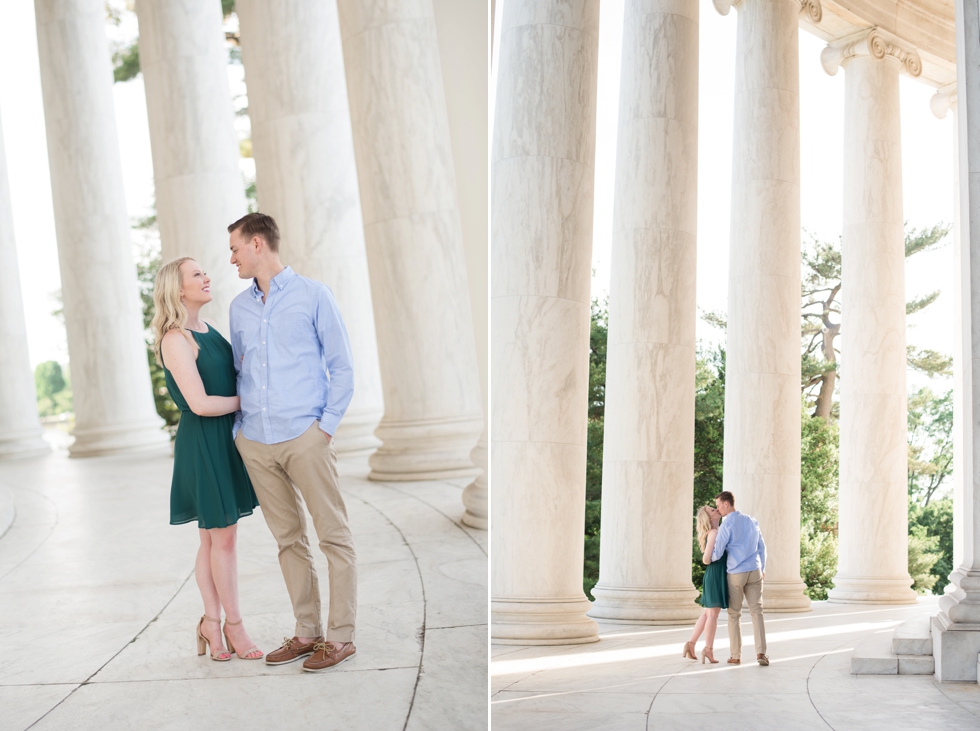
pixel 930 435
pixel 818 504
pixel 932 525
pixel 593 467
pixel 821 314
pixel 53 389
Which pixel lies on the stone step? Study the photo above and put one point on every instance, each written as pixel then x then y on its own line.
pixel 874 656
pixel 913 637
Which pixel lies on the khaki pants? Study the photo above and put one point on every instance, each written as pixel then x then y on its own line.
pixel 307 466
pixel 749 585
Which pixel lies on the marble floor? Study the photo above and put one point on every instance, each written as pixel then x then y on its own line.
pixel 634 679
pixel 98 605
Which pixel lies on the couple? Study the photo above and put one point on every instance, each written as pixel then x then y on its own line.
pixel 736 558
pixel 272 398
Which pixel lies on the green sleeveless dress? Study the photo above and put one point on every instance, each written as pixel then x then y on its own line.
pixel 210 484
pixel 714 592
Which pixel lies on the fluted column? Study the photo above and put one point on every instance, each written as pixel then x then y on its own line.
pixel 199 188
pixel 541 249
pixel 416 259
pixel 956 630
pixel 20 430
pixel 462 29
pixel 762 391
pixel 648 455
pixel 306 176
pixel 114 409
pixel 872 565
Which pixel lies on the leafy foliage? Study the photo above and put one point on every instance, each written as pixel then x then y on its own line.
pixel 818 504
pixel 593 467
pixel 709 440
pixel 54 395
pixel 932 525
pixel 930 430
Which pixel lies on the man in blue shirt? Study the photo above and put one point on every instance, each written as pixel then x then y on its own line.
pixel 740 535
pixel 295 380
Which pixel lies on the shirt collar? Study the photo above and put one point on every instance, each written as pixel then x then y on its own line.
pixel 277 283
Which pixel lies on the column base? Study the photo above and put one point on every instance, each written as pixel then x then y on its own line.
pixel 141 436
pixel 669 605
pixel 355 435
pixel 785 596
pixel 425 449
pixel 954 650
pixel 475 494
pixel 872 590
pixel 542 622
pixel 23 444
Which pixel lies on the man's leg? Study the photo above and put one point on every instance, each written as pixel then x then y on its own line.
pixel 736 583
pixel 311 464
pixel 283 514
pixel 753 594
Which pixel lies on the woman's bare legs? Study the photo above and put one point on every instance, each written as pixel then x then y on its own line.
pixel 711 614
pixel 209 593
pixel 699 626
pixel 224 572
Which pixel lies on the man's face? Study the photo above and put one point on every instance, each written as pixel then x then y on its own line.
pixel 723 507
pixel 243 254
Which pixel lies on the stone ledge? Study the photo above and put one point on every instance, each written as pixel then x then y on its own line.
pixel 913 637
pixel 874 656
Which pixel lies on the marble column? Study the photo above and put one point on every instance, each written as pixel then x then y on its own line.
pixel 20 430
pixel 872 565
pixel 199 187
pixel 462 30
pixel 648 455
pixel 416 258
pixel 541 254
pixel 306 176
pixel 762 394
pixel 956 629
pixel 114 410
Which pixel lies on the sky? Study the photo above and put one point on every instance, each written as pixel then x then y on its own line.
pixel 927 158
pixel 927 161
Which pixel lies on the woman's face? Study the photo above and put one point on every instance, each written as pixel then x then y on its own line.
pixel 195 285
pixel 714 514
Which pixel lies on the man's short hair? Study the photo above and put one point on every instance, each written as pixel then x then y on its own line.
pixel 726 497
pixel 258 224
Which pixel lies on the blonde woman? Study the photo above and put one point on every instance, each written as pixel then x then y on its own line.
pixel 210 484
pixel 714 591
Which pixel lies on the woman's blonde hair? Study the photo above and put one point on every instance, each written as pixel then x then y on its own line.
pixel 703 525
pixel 169 312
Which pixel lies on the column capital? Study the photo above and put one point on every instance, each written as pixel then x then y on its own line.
pixel 873 42
pixel 943 100
pixel 811 8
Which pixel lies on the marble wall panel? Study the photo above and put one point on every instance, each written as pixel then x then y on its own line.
pixel 199 187
pixel 541 233
pixel 648 452
pixel 873 517
pixel 20 430
pixel 414 242
pixel 113 400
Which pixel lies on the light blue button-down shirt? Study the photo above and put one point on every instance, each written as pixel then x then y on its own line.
pixel 292 357
pixel 740 536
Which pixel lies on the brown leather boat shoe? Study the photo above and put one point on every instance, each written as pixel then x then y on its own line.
pixel 763 659
pixel 291 651
pixel 329 655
